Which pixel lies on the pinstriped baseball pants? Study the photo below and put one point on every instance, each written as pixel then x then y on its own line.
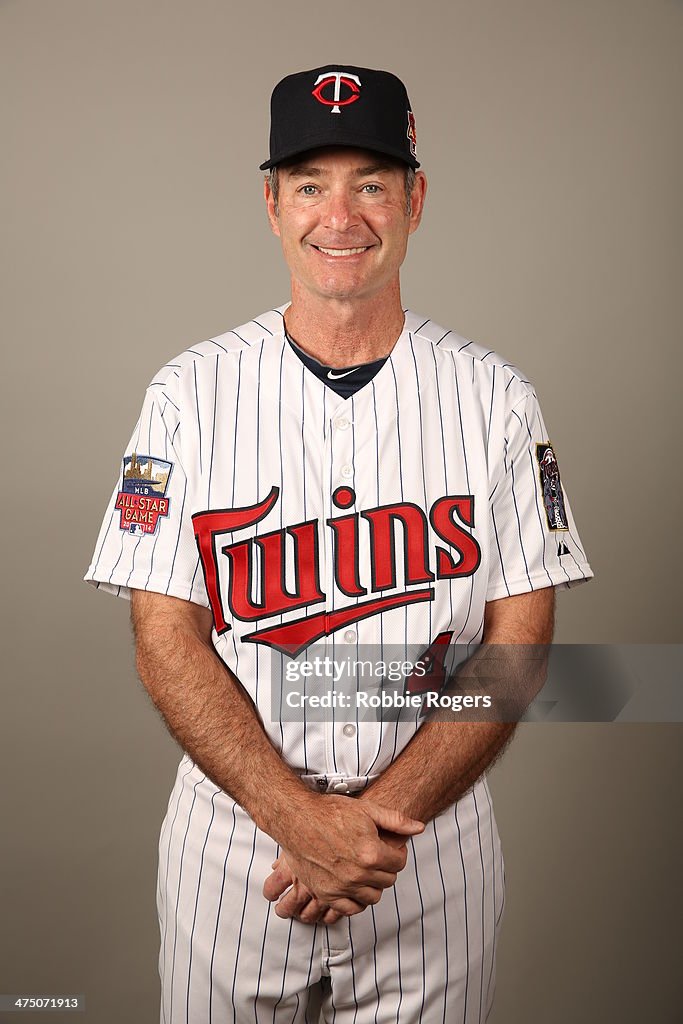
pixel 424 953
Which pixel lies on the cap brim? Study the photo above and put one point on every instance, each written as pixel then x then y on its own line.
pixel 347 142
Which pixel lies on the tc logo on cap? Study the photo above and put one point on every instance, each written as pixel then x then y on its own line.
pixel 339 78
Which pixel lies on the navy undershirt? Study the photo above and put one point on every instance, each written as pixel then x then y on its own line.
pixel 345 380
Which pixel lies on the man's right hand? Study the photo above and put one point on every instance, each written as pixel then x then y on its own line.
pixel 339 856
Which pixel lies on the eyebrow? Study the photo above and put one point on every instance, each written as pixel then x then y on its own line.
pixel 306 171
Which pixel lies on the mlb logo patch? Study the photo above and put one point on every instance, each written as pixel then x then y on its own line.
pixel 142 498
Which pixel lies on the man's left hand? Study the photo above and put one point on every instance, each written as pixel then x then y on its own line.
pixel 299 902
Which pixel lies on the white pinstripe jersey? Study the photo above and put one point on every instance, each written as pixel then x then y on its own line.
pixel 390 517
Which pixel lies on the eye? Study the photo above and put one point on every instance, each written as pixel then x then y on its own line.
pixel 308 190
pixel 371 189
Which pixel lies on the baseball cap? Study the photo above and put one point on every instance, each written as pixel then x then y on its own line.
pixel 341 105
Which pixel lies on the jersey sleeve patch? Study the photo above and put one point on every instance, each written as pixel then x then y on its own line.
pixel 553 498
pixel 142 497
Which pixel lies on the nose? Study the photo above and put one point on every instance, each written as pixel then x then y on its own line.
pixel 341 212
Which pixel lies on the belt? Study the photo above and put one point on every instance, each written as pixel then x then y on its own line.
pixel 337 783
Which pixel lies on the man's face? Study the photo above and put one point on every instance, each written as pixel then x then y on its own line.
pixel 343 222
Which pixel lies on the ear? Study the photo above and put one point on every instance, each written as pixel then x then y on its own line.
pixel 417 200
pixel 270 207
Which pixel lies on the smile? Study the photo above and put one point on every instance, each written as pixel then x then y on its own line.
pixel 341 252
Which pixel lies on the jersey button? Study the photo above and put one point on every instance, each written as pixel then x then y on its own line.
pixel 340 787
pixel 347 471
pixel 349 730
pixel 342 423
pixel 350 636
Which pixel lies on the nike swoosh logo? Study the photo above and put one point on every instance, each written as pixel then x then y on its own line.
pixel 336 376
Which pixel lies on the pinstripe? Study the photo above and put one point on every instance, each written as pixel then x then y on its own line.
pixel 241 928
pixel 168 855
pixel 457 638
pixel 284 969
pixel 263 328
pixel 493 869
pixel 244 342
pixel 445 917
pixel 493 391
pixel 353 972
pixel 258 492
pixel 180 882
pixel 398 955
pixel 282 480
pixel 467 929
pixel 381 619
pixel 443 455
pixel 234 477
pixel 355 509
pixel 218 912
pixel 519 523
pixel 213 435
pixel 422 925
pixel 196 902
pixel 422 454
pixel 263 947
pixel 500 553
pixel 199 418
pixel 483 901
pixel 132 559
pixel 177 542
pixel 310 962
pixel 171 402
pixel 374 959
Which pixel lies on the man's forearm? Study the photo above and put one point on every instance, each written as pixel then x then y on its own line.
pixel 448 754
pixel 214 720
pixel 439 765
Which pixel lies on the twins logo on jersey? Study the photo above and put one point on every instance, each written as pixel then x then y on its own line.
pixel 141 500
pixel 553 498
pixel 231 569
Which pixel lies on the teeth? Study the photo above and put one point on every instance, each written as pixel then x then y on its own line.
pixel 341 252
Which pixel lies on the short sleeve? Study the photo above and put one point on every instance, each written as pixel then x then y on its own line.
pixel 534 539
pixel 146 541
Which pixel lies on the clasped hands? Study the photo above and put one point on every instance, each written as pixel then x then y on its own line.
pixel 339 859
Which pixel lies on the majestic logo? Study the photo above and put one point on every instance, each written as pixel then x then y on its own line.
pixel 141 499
pixel 337 78
pixel 553 498
pixel 251 572
pixel 412 133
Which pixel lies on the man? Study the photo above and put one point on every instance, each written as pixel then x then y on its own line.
pixel 338 475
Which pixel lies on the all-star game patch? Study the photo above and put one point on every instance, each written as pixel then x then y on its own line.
pixel 142 499
pixel 553 498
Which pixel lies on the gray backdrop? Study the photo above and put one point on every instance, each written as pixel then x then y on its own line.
pixel 133 226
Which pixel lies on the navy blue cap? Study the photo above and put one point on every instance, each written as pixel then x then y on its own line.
pixel 341 105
